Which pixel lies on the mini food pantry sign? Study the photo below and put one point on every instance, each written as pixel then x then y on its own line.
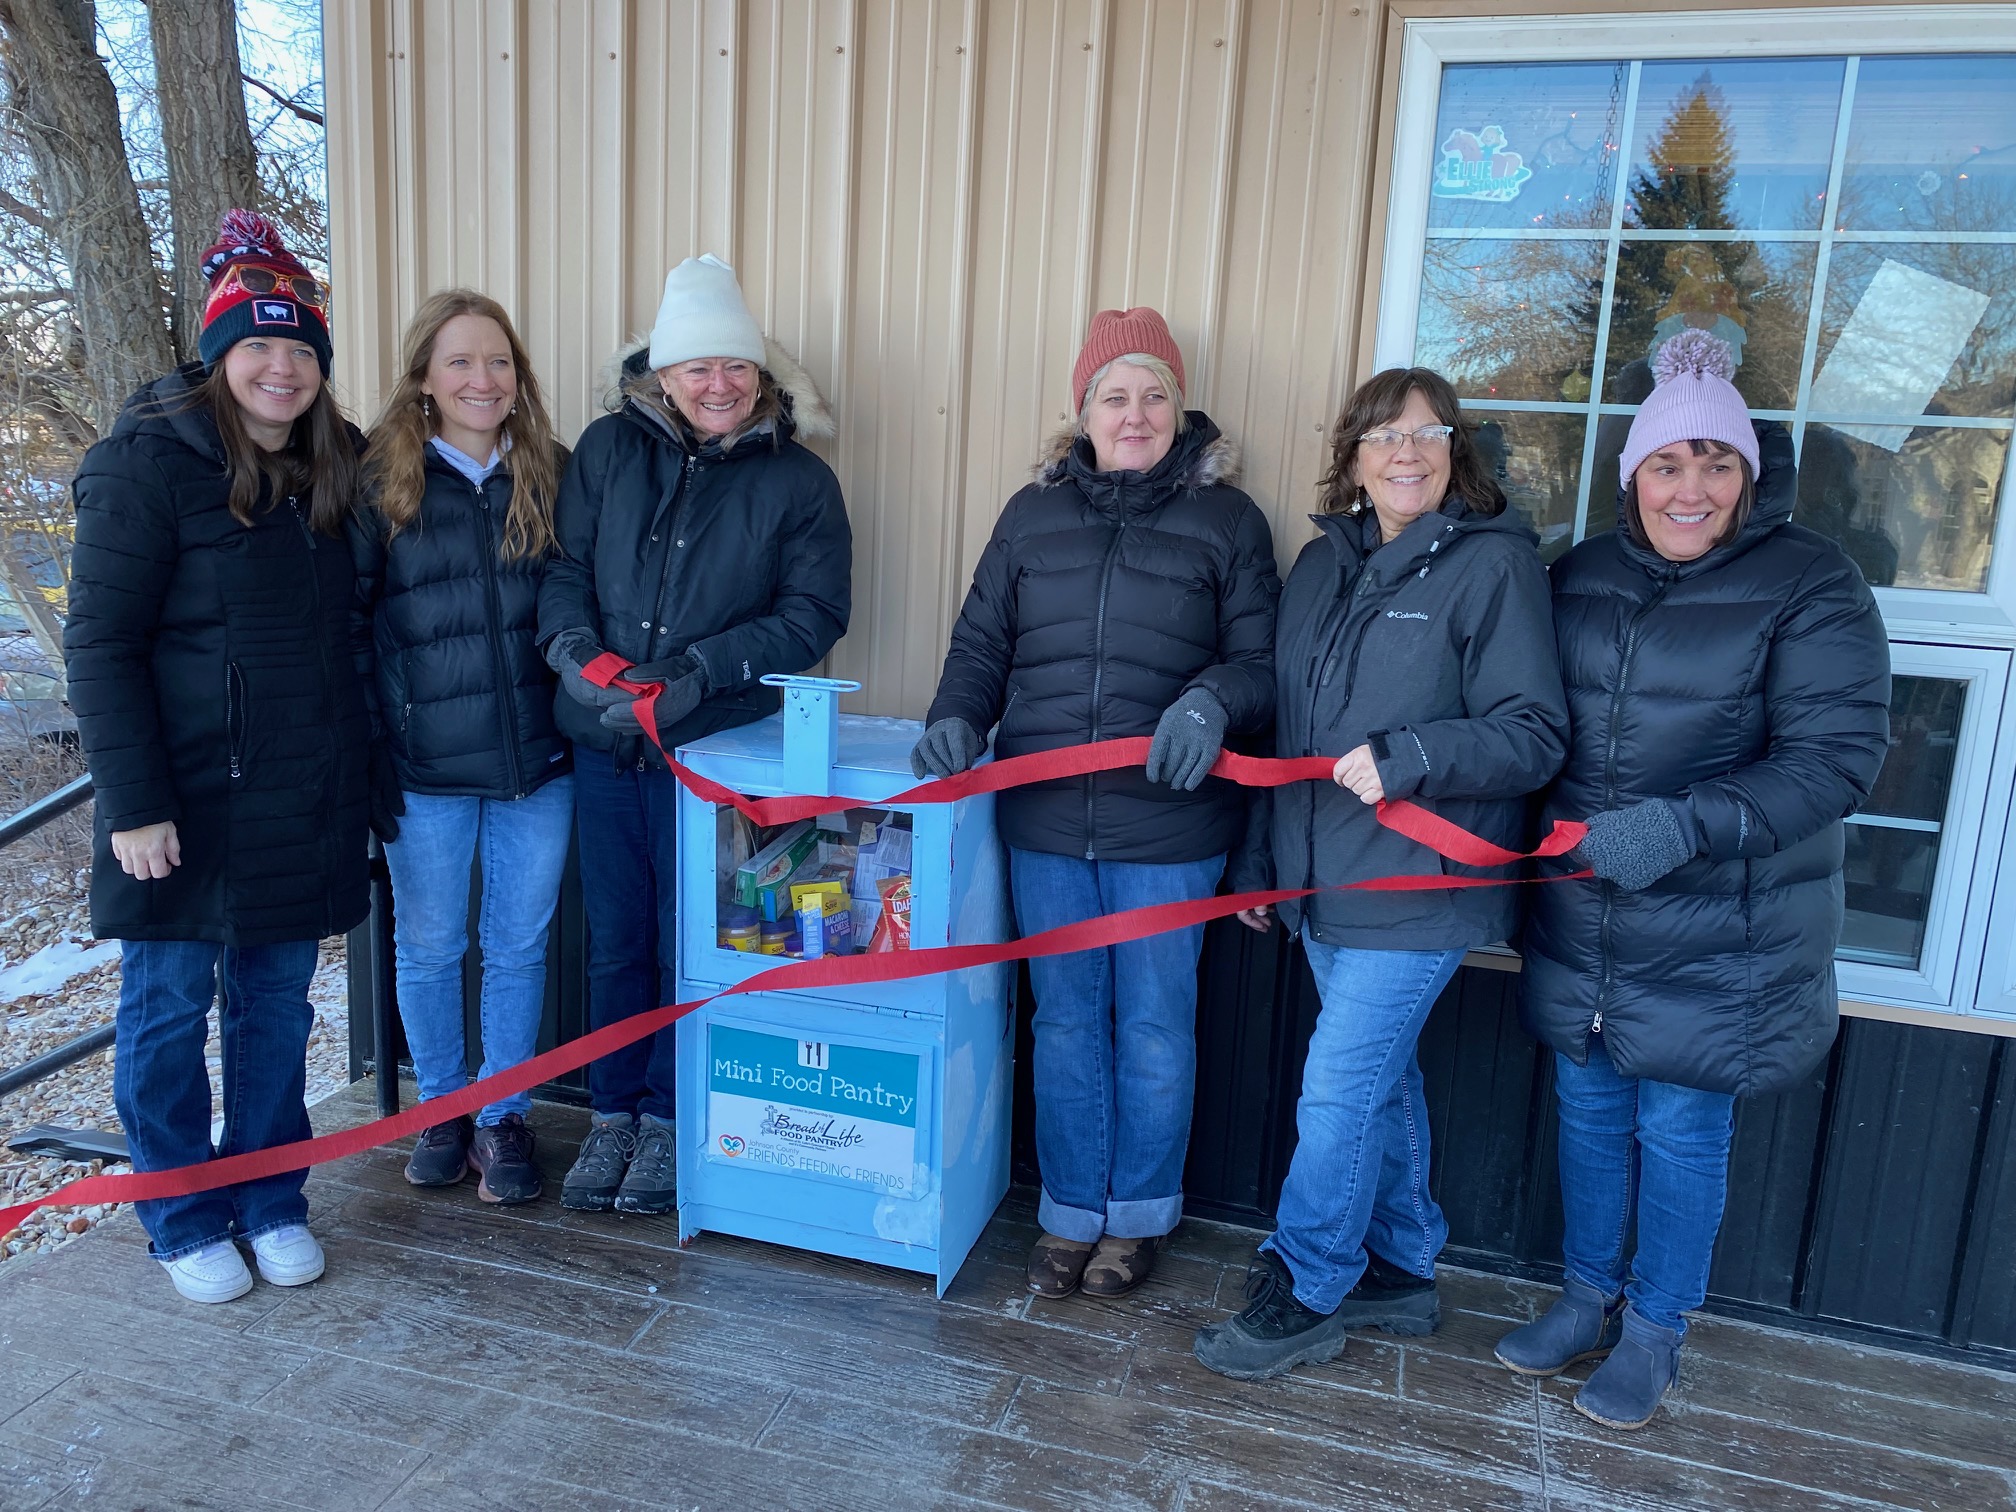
pixel 813 1107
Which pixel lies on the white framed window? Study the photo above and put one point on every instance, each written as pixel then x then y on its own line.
pixel 1833 192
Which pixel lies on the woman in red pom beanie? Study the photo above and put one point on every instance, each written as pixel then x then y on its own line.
pixel 210 645
pixel 1128 590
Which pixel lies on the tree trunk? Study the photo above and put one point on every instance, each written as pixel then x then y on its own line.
pixel 69 113
pixel 211 165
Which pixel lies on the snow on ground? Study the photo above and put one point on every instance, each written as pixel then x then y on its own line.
pixel 51 968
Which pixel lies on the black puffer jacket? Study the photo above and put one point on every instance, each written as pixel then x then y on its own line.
pixel 466 697
pixel 1100 600
pixel 214 669
pixel 744 558
pixel 1437 650
pixel 1753 683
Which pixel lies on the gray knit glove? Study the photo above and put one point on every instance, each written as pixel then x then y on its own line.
pixel 949 747
pixel 1187 740
pixel 1635 846
pixel 567 653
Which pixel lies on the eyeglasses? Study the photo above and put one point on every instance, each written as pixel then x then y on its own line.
pixel 257 280
pixel 1428 438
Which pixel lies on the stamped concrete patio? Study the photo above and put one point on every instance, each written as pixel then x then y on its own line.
pixel 457 1356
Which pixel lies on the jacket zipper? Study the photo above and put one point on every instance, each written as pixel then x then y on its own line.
pixel 1610 791
pixel 1099 665
pixel 330 787
pixel 234 714
pixel 495 636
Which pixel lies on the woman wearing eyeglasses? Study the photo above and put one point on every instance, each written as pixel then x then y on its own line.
pixel 1415 645
pixel 213 647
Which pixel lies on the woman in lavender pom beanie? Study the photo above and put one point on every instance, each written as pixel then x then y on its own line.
pixel 1728 683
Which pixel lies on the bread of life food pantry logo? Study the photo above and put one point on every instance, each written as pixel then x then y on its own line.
pixel 1479 166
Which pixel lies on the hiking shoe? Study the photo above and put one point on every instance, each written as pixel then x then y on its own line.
pixel 288 1256
pixel 502 1154
pixel 1274 1333
pixel 1626 1389
pixel 215 1273
pixel 649 1185
pixel 441 1158
pixel 1391 1298
pixel 1056 1265
pixel 1118 1266
pixel 1583 1324
pixel 595 1177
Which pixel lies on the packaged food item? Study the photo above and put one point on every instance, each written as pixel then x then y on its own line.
pixel 825 917
pixel 775 862
pixel 779 938
pixel 892 928
pixel 734 844
pixel 739 928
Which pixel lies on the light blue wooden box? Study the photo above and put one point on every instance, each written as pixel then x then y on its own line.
pixel 799 1111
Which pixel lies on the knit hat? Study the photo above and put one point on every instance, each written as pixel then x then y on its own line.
pixel 1692 400
pixel 703 314
pixel 1118 333
pixel 272 294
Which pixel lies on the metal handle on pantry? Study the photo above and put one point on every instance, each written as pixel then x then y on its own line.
pixel 811 728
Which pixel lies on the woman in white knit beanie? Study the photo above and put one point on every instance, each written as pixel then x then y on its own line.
pixel 699 540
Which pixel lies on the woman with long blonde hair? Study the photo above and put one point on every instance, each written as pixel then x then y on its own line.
pixel 451 547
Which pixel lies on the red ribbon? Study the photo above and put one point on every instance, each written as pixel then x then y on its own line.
pixel 1438 834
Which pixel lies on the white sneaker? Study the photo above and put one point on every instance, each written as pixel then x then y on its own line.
pixel 288 1256
pixel 215 1273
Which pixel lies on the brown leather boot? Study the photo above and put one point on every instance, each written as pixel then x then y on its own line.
pixel 1118 1266
pixel 1056 1264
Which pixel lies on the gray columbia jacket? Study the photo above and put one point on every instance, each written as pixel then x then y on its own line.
pixel 1437 650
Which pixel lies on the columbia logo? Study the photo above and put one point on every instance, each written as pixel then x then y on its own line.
pixel 1405 614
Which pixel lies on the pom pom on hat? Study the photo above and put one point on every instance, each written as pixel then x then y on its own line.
pixel 1693 400
pixel 703 314
pixel 281 311
pixel 1116 333
pixel 1694 353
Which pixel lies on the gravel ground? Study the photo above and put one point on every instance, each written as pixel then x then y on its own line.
pixel 80 1096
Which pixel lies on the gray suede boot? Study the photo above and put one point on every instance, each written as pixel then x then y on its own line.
pixel 1626 1389
pixel 1582 1324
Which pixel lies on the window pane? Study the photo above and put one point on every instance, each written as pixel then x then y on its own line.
pixel 1915 507
pixel 1889 876
pixel 1527 145
pixel 1931 146
pixel 1891 866
pixel 1754 295
pixel 1727 146
pixel 1511 319
pixel 1536 459
pixel 1930 329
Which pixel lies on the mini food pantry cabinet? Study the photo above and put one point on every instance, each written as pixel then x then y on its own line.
pixel 867 1121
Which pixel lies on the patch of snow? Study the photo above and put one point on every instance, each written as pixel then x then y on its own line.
pixel 53 966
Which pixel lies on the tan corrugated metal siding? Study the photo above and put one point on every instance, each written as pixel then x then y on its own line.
pixel 925 201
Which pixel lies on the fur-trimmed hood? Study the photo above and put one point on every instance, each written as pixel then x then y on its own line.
pixel 807 407
pixel 1216 461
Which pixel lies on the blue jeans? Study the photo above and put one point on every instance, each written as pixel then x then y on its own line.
pixel 1360 1173
pixel 1116 1045
pixel 1665 1145
pixel 162 1089
pixel 523 845
pixel 630 891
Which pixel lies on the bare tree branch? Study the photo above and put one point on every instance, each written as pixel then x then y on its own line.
pixel 20 209
pixel 312 117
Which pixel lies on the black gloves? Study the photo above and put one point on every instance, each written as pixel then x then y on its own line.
pixel 1187 740
pixel 948 748
pixel 1636 846
pixel 387 800
pixel 567 653
pixel 683 684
